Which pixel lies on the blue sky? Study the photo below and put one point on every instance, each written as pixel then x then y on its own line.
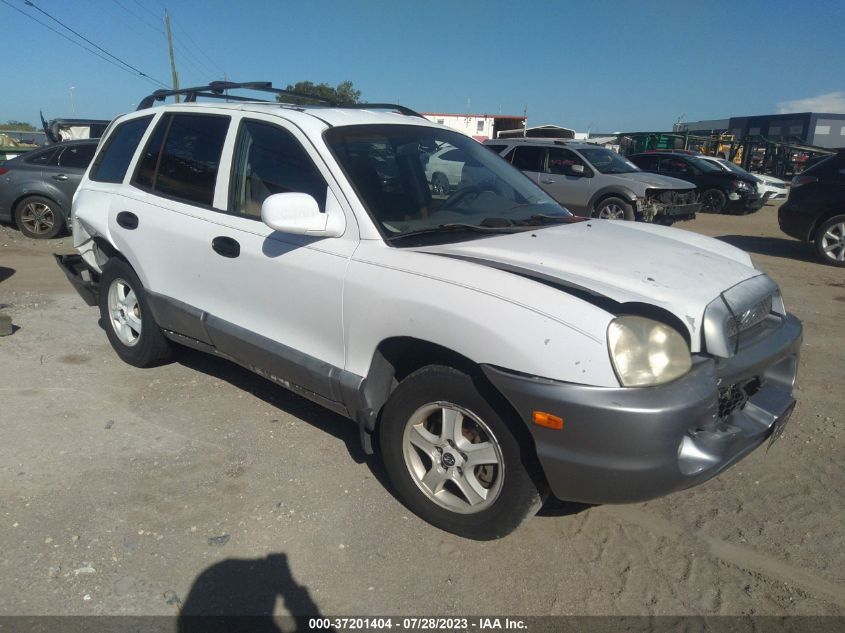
pixel 608 66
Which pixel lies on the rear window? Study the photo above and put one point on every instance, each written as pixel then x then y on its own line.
pixel 498 149
pixel 113 160
pixel 40 158
pixel 78 156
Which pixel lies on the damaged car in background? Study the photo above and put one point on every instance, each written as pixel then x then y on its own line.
pixel 594 181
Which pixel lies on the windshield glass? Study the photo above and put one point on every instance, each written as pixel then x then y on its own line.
pixel 733 167
pixel 608 162
pixel 415 178
pixel 703 165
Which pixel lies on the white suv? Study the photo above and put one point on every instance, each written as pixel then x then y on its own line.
pixel 489 345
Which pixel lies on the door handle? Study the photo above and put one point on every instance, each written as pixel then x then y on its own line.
pixel 59 177
pixel 127 220
pixel 226 246
pixel 547 181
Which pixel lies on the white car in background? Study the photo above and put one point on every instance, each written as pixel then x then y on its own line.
pixel 769 187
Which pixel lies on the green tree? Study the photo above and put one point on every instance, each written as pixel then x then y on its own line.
pixel 17 126
pixel 344 93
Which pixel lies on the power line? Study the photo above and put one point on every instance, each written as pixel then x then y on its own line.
pixel 141 19
pixel 196 46
pixel 100 48
pixel 72 41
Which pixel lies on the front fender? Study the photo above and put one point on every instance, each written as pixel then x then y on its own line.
pixel 612 190
pixel 488 316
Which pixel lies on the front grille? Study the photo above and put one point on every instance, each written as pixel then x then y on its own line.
pixel 674 198
pixel 734 397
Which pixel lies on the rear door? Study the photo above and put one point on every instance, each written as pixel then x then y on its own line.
pixel 529 160
pixel 66 167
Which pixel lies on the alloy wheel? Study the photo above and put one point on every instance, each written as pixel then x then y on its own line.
pixel 124 312
pixel 38 218
pixel 833 242
pixel 453 457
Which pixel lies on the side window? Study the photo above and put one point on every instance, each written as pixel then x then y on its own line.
pixel 182 158
pixel 41 158
pixel 114 158
pixel 674 166
pixel 648 163
pixel 268 160
pixel 528 158
pixel 561 161
pixel 78 156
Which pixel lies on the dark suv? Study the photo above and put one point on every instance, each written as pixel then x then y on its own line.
pixel 721 191
pixel 815 209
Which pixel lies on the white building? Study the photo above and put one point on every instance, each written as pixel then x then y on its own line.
pixel 479 126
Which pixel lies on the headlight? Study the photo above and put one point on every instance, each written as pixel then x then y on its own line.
pixel 741 185
pixel 646 352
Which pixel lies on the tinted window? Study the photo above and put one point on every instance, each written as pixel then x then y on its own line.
pixel 40 158
pixel 78 156
pixel 528 158
pixel 649 163
pixel 496 148
pixel 113 160
pixel 190 158
pixel 674 166
pixel 269 160
pixel 145 172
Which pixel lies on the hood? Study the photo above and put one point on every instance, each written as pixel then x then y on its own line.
pixel 655 180
pixel 625 261
pixel 771 180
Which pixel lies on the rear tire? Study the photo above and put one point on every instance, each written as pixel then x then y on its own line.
pixel 39 218
pixel 454 459
pixel 614 209
pixel 129 323
pixel 829 241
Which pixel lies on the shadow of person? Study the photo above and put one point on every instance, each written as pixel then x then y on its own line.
pixel 240 595
pixel 5 273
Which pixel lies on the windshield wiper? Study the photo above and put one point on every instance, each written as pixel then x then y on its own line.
pixel 541 218
pixel 456 227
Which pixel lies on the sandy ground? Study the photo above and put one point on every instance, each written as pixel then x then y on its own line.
pixel 200 486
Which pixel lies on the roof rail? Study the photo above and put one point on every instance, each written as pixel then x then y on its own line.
pixel 218 90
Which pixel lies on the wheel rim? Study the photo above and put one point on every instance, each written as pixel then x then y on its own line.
pixel 612 212
pixel 453 457
pixel 38 218
pixel 124 312
pixel 439 186
pixel 833 242
pixel 711 201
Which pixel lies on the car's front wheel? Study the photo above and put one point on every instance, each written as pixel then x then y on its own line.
pixel 126 315
pixel 830 241
pixel 39 218
pixel 614 209
pixel 455 458
pixel 713 201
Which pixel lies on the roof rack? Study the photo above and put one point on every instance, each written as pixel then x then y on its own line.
pixel 218 90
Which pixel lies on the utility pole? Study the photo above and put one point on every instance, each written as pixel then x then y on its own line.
pixel 172 60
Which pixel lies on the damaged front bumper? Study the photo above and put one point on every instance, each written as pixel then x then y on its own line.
pixel 669 205
pixel 623 445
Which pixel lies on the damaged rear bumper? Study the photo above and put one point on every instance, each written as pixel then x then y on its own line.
pixel 85 280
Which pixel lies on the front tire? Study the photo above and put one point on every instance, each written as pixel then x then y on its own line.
pixel 454 459
pixel 39 218
pixel 829 241
pixel 614 209
pixel 713 201
pixel 129 323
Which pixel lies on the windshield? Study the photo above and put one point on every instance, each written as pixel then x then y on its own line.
pixel 608 161
pixel 703 165
pixel 733 167
pixel 416 179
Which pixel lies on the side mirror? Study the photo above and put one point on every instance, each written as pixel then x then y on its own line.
pixel 299 213
pixel 576 170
